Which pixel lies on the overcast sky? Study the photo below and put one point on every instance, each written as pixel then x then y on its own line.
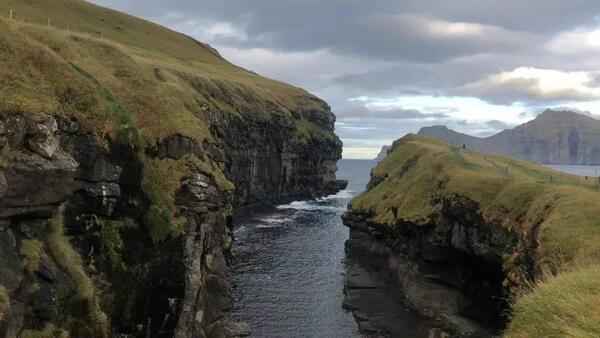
pixel 389 67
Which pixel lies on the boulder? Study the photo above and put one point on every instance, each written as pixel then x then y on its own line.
pixel 42 138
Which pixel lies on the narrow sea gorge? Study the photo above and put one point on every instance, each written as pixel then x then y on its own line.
pixel 293 276
pixel 288 271
pixel 290 268
pixel 209 169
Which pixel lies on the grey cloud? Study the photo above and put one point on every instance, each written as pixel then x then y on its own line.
pixel 406 78
pixel 386 48
pixel 526 90
pixel 362 112
pixel 498 125
pixel 376 132
pixel 384 29
pixel 429 39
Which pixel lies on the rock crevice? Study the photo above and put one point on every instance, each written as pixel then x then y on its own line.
pixel 451 269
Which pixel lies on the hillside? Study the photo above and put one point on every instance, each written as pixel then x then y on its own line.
pixel 554 137
pixel 125 150
pixel 382 153
pixel 92 59
pixel 449 212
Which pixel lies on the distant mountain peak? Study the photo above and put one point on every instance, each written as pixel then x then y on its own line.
pixel 566 113
pixel 556 136
pixel 438 127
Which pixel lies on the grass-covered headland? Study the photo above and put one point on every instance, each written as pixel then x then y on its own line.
pixel 134 82
pixel 557 214
pixel 159 132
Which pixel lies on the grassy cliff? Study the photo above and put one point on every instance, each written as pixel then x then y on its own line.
pixel 117 71
pixel 145 115
pixel 559 214
pixel 133 82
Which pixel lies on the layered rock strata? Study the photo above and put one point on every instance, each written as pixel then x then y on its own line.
pixel 76 254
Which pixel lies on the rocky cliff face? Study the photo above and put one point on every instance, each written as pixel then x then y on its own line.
pixel 77 255
pixel 450 270
pixel 122 159
pixel 460 234
pixel 271 161
pixel 554 137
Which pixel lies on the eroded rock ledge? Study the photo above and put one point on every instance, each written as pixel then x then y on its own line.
pixel 450 270
pixel 459 252
pixel 76 253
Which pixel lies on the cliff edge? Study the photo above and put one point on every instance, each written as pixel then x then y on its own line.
pixel 124 150
pixel 485 244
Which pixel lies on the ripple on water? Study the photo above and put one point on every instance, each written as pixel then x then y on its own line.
pixel 289 266
pixel 288 271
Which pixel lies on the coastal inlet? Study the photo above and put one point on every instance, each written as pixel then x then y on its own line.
pixel 289 270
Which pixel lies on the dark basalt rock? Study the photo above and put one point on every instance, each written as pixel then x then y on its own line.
pixel 175 288
pixel 341 184
pixel 269 163
pixel 450 270
pixel 177 146
pixel 41 137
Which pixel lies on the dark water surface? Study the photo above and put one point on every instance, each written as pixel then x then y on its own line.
pixel 289 269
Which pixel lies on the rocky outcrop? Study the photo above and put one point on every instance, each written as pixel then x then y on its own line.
pixel 450 271
pixel 554 137
pixel 75 249
pixel 119 173
pixel 272 161
pixel 446 228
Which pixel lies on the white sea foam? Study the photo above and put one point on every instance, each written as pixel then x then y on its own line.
pixel 268 226
pixel 343 194
pixel 272 221
pixel 240 230
pixel 309 206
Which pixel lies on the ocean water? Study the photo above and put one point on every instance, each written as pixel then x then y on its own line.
pixel 288 273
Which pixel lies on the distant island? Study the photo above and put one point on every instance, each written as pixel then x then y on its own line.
pixel 554 137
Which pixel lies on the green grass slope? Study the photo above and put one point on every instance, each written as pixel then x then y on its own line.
pixel 513 194
pixel 114 70
pixel 132 82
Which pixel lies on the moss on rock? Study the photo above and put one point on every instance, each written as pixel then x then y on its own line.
pixel 85 305
pixel 31 250
pixel 4 303
pixel 49 331
pixel 161 180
